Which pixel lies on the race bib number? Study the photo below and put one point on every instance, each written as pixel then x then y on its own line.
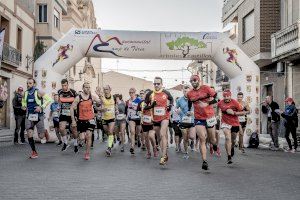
pixel 66 112
pixel 226 126
pixel 211 121
pixel 121 116
pixel 55 115
pixel 147 119
pixel 33 117
pixel 187 119
pixel 159 111
pixel 242 119
pixel 92 121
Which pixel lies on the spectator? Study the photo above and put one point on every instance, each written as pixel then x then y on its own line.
pixel 271 108
pixel 19 115
pixel 291 116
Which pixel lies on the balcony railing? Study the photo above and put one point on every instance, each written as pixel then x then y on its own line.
pixel 11 55
pixel 286 42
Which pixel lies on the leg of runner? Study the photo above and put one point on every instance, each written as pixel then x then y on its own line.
pixel 151 135
pixel 63 132
pixel 211 132
pixel 241 139
pixel 58 136
pixel 228 144
pixel 233 140
pixel 202 134
pixel 111 127
pixel 88 138
pixel 147 143
pixel 157 136
pixel 164 141
pixel 122 135
pixel 185 142
pixel 217 142
pixel 31 141
pixel 75 136
pixel 132 136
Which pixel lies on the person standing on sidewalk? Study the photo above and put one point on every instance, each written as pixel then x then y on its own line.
pixel 271 108
pixel 19 115
pixel 291 116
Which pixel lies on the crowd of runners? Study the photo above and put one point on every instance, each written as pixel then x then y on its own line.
pixel 150 119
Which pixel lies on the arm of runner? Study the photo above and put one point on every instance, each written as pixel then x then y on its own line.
pixel 170 98
pixel 72 112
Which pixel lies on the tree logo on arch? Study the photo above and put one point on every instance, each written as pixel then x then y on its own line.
pixel 185 45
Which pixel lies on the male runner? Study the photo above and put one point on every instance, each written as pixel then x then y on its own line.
pixel 242 120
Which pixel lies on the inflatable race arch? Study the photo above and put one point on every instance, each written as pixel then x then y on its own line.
pixel 78 43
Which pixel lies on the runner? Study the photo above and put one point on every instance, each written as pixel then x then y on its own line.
pixel 231 109
pixel 242 120
pixel 147 126
pixel 142 138
pixel 186 122
pixel 121 119
pixel 162 102
pixel 108 118
pixel 134 119
pixel 66 98
pixel 34 102
pixel 86 118
pixel 54 116
pixel 201 97
pixel 175 120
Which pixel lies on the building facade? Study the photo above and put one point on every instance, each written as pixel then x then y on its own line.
pixel 17 17
pixel 251 24
pixel 55 18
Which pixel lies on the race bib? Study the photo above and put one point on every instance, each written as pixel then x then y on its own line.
pixel 242 119
pixel 55 114
pixel 33 117
pixel 226 126
pixel 66 112
pixel 187 119
pixel 121 116
pixel 147 119
pixel 159 111
pixel 92 121
pixel 211 121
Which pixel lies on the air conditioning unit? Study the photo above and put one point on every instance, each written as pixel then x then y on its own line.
pixel 280 67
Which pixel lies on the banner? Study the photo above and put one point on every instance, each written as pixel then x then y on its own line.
pixel 2 33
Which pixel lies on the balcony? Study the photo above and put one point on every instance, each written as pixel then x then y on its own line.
pixel 11 55
pixel 286 43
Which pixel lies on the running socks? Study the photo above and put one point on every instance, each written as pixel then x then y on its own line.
pixel 110 140
pixel 215 147
pixel 65 139
pixel 31 143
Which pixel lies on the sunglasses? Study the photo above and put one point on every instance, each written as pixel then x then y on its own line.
pixel 194 80
pixel 29 83
pixel 156 83
pixel 142 93
pixel 131 92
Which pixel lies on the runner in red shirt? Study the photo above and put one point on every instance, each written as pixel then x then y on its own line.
pixel 161 102
pixel 202 97
pixel 230 124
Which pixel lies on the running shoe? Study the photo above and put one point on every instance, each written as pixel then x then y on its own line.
pixel 243 150
pixel 171 140
pixel 59 143
pixel 155 152
pixel 192 145
pixel 34 155
pixel 65 147
pixel 229 161
pixel 86 156
pixel 108 152
pixel 218 152
pixel 143 147
pixel 211 151
pixel 177 149
pixel 186 156
pixel 122 149
pixel 205 165
pixel 148 155
pixel 75 149
pixel 139 143
pixel 132 151
pixel 163 160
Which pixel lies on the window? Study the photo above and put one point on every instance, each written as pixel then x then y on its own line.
pixel 56 18
pixel 43 13
pixel 19 39
pixel 248 26
pixel 5 24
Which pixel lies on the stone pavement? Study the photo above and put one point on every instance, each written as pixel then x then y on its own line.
pixel 258 174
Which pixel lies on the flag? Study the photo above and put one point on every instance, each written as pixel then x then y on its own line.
pixel 2 33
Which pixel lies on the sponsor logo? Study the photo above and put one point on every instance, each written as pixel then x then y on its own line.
pixel 85 32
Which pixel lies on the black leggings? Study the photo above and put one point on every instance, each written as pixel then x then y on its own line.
pixel 291 129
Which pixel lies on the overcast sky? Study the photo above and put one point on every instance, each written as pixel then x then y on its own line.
pixel 157 15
